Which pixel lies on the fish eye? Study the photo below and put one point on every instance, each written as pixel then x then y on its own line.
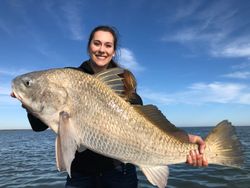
pixel 27 83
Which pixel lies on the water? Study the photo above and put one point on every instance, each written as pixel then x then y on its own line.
pixel 28 160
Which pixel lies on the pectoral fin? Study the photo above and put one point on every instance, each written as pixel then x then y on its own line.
pixel 66 141
pixel 158 175
pixel 59 160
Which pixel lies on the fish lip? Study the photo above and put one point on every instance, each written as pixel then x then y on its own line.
pixel 12 94
pixel 15 95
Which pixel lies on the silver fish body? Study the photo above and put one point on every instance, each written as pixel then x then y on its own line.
pixel 87 112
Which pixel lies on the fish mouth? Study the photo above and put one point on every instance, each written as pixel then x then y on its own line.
pixel 15 95
pixel 12 94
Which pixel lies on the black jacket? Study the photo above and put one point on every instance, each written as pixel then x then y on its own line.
pixel 86 162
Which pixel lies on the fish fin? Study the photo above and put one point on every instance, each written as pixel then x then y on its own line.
pixel 67 138
pixel 223 147
pixel 155 116
pixel 59 160
pixel 157 176
pixel 112 79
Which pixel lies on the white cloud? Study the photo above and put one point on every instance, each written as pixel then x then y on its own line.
pixel 238 74
pixel 202 93
pixel 181 36
pixel 74 20
pixel 187 10
pixel 128 60
pixel 241 65
pixel 217 92
pixel 234 49
pixel 215 26
pixel 68 17
pixel 193 34
pixel 157 97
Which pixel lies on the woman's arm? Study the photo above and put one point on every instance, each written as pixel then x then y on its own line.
pixel 36 124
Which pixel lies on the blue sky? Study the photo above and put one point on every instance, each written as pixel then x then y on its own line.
pixel 190 58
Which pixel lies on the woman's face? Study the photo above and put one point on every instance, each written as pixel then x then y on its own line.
pixel 101 48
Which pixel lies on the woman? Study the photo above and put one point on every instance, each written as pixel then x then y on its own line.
pixel 90 169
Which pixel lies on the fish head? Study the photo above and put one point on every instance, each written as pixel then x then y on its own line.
pixel 41 93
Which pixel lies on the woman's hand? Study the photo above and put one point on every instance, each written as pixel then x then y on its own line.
pixel 196 158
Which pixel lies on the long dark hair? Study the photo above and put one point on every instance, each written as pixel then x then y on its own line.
pixel 129 79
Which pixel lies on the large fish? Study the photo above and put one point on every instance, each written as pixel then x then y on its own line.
pixel 88 111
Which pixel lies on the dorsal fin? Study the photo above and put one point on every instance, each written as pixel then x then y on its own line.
pixel 112 79
pixel 155 116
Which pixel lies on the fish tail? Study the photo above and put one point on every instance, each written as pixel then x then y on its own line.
pixel 223 146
